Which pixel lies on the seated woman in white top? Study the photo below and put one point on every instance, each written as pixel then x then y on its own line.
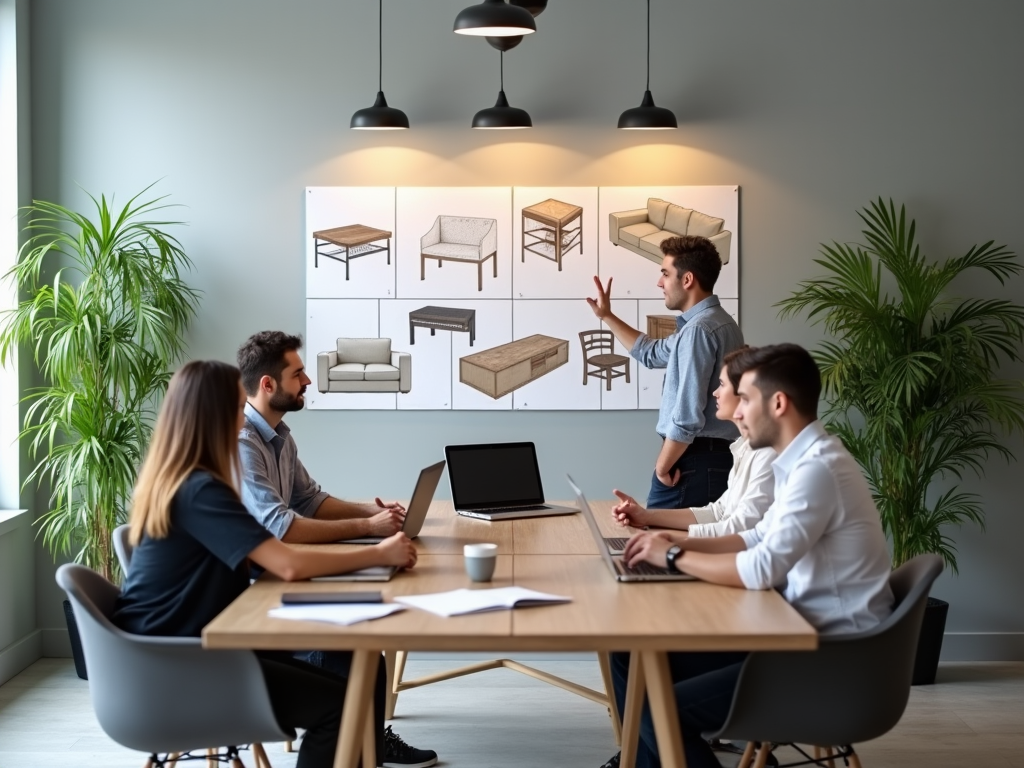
pixel 751 483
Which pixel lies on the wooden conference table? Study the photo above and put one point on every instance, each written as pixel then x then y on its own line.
pixel 552 554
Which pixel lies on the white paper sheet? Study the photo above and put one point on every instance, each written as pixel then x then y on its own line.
pixel 343 613
pixel 460 601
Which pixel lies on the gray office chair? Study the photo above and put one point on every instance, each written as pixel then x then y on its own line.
pixel 123 547
pixel 852 689
pixel 166 695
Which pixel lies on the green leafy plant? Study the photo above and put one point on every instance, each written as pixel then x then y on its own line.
pixel 910 375
pixel 105 313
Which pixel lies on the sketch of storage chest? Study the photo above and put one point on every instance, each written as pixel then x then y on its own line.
pixel 500 370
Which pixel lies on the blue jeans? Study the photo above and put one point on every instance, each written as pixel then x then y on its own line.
pixel 703 476
pixel 704 685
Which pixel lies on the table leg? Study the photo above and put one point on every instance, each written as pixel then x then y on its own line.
pixel 472 330
pixel 412 333
pixel 558 246
pixel 662 700
pixel 635 688
pixel 369 741
pixel 316 253
pixel 358 704
pixel 605 662
pixel 346 262
pixel 388 241
pixel 522 243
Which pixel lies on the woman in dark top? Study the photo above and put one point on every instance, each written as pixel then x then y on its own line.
pixel 194 539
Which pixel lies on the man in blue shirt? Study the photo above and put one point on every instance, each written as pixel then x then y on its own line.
pixel 278 491
pixel 693 465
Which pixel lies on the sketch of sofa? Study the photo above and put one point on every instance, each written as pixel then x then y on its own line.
pixel 364 365
pixel 643 230
pixel 461 238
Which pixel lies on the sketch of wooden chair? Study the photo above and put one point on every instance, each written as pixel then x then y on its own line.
pixel 598 352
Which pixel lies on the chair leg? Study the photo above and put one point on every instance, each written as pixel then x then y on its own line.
pixel 748 755
pixel 828 756
pixel 288 746
pixel 479 275
pixel 853 758
pixel 762 755
pixel 260 755
pixel 211 760
pixel 172 760
pixel 608 378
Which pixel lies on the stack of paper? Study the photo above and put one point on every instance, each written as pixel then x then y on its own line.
pixel 341 613
pixel 461 601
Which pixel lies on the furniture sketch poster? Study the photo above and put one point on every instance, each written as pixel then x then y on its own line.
pixel 473 298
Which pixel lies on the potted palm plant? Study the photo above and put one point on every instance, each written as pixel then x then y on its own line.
pixel 104 309
pixel 910 378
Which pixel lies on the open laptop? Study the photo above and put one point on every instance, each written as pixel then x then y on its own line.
pixel 498 481
pixel 422 495
pixel 419 505
pixel 621 571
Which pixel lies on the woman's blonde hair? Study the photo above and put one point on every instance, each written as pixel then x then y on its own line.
pixel 197 429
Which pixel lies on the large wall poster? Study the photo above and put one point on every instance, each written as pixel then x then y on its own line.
pixel 473 298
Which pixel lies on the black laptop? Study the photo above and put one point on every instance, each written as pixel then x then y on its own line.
pixel 498 481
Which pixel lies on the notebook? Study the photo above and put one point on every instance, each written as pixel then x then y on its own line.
pixel 414 517
pixel 621 571
pixel 422 495
pixel 498 481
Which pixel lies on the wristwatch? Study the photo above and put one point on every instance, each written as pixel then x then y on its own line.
pixel 670 557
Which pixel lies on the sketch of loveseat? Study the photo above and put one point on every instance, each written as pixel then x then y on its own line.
pixel 461 238
pixel 364 365
pixel 643 230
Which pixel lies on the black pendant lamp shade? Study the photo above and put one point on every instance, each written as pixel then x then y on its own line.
pixel 380 117
pixel 648 117
pixel 535 7
pixel 494 18
pixel 501 115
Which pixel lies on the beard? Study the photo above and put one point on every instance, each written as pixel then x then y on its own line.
pixel 765 436
pixel 282 402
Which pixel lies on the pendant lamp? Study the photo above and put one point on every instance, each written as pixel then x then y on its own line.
pixel 648 117
pixel 501 115
pixel 494 18
pixel 380 117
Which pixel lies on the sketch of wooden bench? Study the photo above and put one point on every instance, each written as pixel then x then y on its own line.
pixel 500 370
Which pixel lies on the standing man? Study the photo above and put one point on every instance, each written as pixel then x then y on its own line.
pixel 278 491
pixel 693 466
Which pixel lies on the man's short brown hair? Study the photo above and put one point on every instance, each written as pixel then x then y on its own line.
pixel 786 368
pixel 696 255
pixel 262 354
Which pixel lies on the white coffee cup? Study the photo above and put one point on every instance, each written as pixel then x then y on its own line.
pixel 480 560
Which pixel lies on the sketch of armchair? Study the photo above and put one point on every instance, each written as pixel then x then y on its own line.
pixel 643 230
pixel 364 365
pixel 461 238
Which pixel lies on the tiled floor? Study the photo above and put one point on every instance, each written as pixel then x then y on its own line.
pixel 974 716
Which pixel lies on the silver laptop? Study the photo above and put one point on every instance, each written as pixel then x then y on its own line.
pixel 498 481
pixel 419 505
pixel 423 494
pixel 621 571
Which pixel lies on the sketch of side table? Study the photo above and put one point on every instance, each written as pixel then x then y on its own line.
pixel 661 326
pixel 355 241
pixel 548 231
pixel 443 319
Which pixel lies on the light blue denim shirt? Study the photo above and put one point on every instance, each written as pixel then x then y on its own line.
pixel 275 486
pixel 692 357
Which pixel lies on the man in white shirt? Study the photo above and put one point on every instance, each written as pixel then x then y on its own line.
pixel 751 488
pixel 822 538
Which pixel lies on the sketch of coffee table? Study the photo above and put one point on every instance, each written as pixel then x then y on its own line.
pixel 443 319
pixel 500 370
pixel 354 241
pixel 547 233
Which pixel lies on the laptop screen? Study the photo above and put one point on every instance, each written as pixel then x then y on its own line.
pixel 497 475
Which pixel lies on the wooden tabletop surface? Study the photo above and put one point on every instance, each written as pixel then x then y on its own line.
pixel 351 235
pixel 553 211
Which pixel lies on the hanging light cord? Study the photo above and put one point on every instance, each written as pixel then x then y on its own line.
pixel 648 45
pixel 502 70
pixel 380 43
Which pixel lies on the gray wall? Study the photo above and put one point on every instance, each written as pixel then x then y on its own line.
pixel 812 108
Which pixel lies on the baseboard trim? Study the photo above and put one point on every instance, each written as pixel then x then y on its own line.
pixel 56 643
pixel 20 654
pixel 983 646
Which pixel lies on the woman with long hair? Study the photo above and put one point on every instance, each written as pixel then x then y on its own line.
pixel 194 541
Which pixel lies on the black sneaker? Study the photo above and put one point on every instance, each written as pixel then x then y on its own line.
pixel 398 754
pixel 614 762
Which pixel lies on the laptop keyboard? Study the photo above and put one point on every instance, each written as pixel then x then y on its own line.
pixel 529 508
pixel 616 542
pixel 643 568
